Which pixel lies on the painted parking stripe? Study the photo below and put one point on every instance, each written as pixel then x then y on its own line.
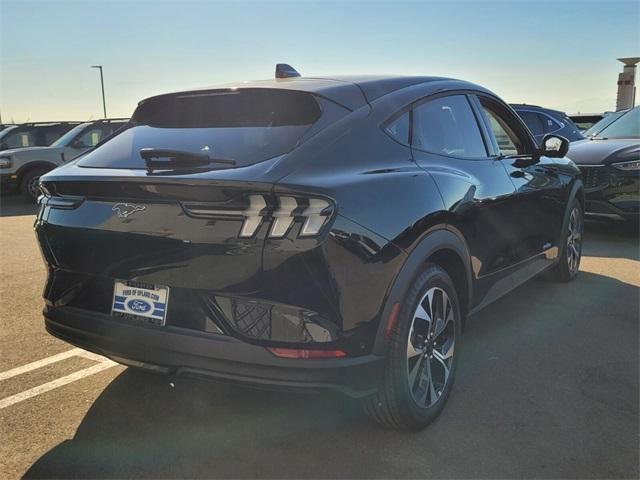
pixel 43 363
pixel 59 382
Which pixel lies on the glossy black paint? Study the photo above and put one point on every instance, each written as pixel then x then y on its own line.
pixel 492 222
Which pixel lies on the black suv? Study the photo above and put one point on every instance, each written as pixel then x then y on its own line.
pixel 542 121
pixel 307 232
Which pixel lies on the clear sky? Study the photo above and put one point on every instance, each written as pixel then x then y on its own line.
pixel 559 54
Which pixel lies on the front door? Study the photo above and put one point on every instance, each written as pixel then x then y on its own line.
pixel 538 201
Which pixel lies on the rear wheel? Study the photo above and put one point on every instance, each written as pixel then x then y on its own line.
pixel 29 183
pixel 571 252
pixel 421 357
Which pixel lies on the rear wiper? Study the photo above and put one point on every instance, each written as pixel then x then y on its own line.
pixel 178 159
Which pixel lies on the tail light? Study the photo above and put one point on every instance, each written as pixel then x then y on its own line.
pixel 281 211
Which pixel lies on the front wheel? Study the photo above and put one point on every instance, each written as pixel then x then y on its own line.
pixel 571 251
pixel 421 357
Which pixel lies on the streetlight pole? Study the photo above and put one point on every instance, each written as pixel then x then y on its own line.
pixel 104 103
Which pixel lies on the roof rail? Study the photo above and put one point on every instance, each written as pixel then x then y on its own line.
pixel 49 122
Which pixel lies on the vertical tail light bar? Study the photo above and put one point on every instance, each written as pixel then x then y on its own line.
pixel 252 216
pixel 316 214
pixel 283 217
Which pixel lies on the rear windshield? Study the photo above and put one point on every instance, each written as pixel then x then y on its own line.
pixel 247 126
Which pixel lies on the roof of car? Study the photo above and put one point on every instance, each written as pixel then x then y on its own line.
pixel 351 91
pixel 524 106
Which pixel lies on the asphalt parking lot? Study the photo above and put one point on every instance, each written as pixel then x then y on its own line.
pixel 547 387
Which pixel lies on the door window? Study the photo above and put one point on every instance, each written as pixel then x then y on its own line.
pixel 447 126
pixel 503 127
pixel 92 137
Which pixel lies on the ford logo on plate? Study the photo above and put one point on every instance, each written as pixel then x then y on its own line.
pixel 140 306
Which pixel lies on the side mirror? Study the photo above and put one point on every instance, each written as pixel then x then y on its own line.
pixel 554 146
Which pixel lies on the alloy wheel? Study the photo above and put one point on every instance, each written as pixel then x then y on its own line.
pixel 32 186
pixel 430 347
pixel 574 240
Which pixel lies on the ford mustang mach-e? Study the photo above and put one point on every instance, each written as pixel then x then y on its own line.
pixel 307 233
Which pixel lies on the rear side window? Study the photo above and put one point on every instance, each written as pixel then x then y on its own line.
pixel 399 128
pixel 447 126
pixel 534 121
pixel 247 126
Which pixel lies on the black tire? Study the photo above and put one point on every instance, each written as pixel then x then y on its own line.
pixel 570 253
pixel 29 181
pixel 396 403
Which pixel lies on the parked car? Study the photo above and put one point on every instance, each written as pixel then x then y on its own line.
pixel 307 233
pixel 39 134
pixel 23 167
pixel 542 121
pixel 610 165
pixel 608 119
pixel 584 121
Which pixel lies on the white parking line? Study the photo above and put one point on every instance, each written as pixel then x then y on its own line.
pixel 42 363
pixel 59 382
pixel 103 364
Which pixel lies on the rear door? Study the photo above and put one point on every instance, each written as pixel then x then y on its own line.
pixel 447 141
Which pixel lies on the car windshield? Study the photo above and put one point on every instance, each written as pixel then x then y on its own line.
pixel 247 126
pixel 605 122
pixel 627 126
pixel 68 137
pixel 7 131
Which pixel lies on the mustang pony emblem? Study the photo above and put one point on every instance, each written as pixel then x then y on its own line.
pixel 125 209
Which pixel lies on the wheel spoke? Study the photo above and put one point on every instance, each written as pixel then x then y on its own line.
pixel 432 390
pixel 413 374
pixel 422 314
pixel 412 351
pixel 442 360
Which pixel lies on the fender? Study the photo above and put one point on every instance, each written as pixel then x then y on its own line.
pixel 437 240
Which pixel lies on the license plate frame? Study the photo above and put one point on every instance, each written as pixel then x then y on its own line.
pixel 140 301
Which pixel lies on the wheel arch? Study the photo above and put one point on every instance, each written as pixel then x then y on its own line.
pixel 442 247
pixel 576 193
pixel 26 168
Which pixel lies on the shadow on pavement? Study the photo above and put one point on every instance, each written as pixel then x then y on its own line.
pixel 547 387
pixel 612 239
pixel 12 205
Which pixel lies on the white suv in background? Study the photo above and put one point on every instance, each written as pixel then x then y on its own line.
pixel 23 167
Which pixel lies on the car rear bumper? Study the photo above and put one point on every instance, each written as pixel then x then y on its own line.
pixel 178 351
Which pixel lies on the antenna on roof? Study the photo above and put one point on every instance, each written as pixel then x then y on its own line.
pixel 285 71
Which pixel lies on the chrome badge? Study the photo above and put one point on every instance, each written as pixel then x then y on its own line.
pixel 125 209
